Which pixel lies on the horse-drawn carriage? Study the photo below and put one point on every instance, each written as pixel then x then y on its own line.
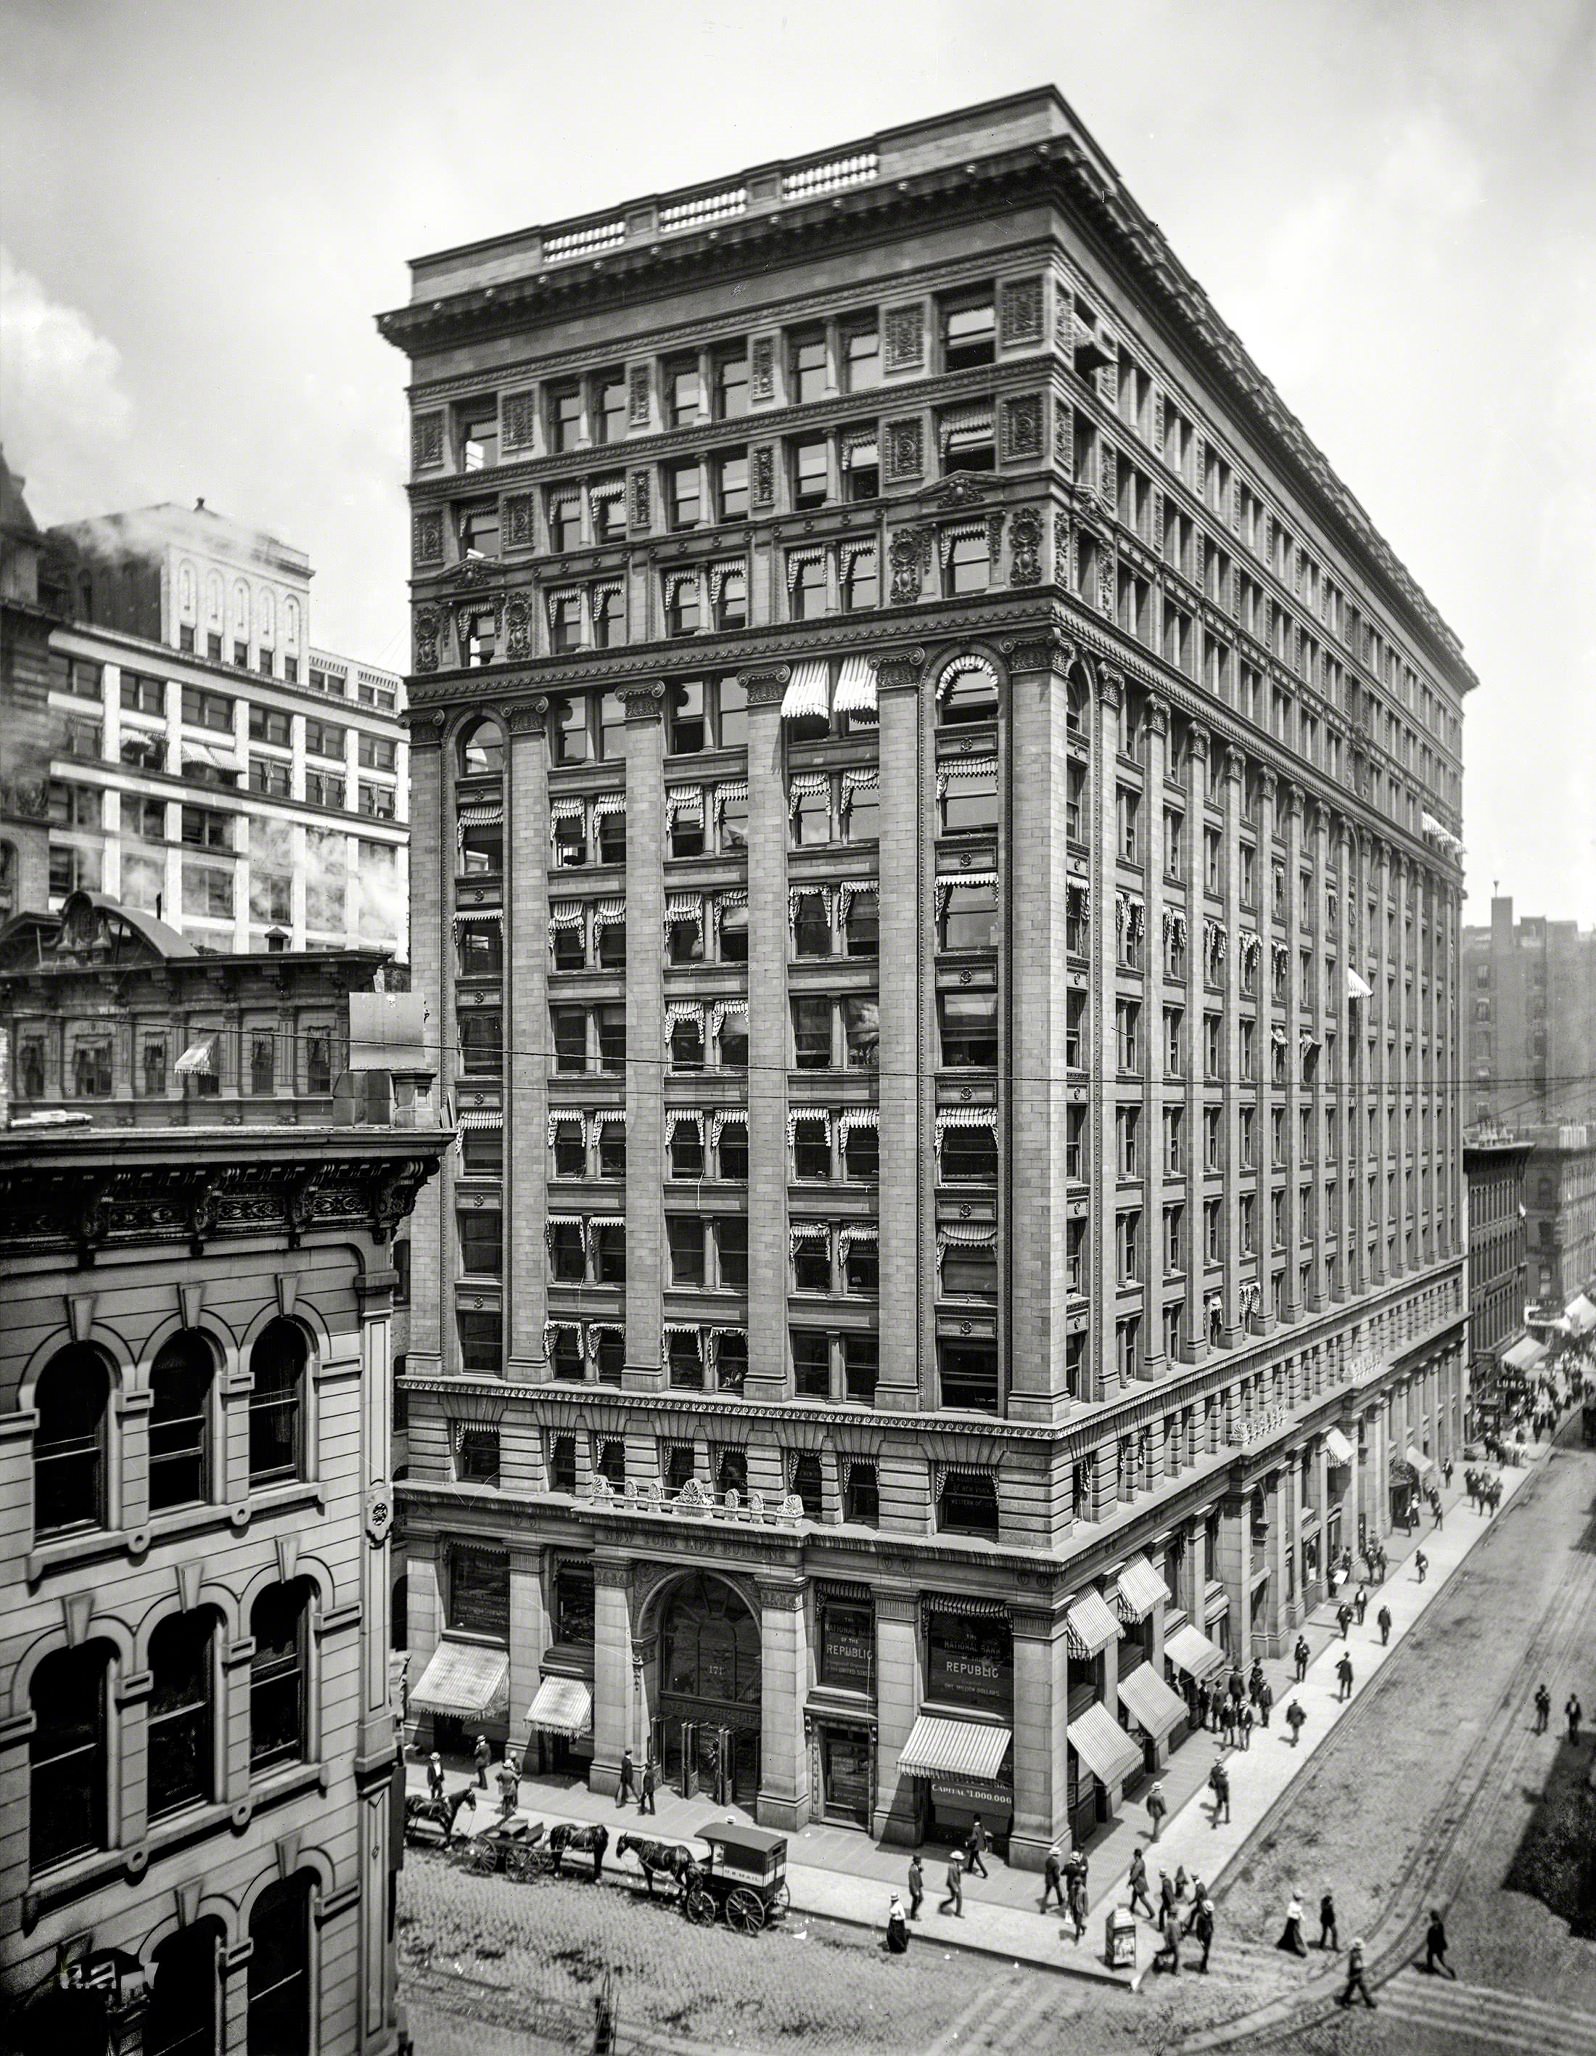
pixel 745 1878
pixel 426 1814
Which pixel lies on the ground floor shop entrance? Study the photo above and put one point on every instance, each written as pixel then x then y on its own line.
pixel 707 1713
pixel 845 1762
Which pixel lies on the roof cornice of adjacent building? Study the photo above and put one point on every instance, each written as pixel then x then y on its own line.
pixel 1064 164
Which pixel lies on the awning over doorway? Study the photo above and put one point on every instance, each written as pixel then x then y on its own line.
pixel 1153 1706
pixel 1422 1466
pixel 1091 1626
pixel 1103 1745
pixel 561 1706
pixel 1140 1590
pixel 1337 1447
pixel 1190 1650
pixel 954 1748
pixel 463 1680
pixel 1525 1354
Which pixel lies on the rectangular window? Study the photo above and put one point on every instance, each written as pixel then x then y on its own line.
pixel 806 366
pixel 809 473
pixel 969 332
pixel 967 1023
pixel 212 710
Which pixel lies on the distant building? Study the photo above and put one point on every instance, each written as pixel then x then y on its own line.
pixel 197 1737
pixel 184 747
pixel 1560 1194
pixel 1500 1346
pixel 1529 1009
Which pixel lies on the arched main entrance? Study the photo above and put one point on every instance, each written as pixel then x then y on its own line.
pixel 706 1721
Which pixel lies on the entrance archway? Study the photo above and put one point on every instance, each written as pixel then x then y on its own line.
pixel 707 1711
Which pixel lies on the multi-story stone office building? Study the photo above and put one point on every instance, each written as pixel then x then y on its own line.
pixel 1502 1354
pixel 197 1739
pixel 184 747
pixel 1529 996
pixel 940 908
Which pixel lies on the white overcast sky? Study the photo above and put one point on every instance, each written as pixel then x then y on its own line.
pixel 1392 201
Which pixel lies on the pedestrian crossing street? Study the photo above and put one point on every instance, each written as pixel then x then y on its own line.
pixel 1254 1969
pixel 1486 2019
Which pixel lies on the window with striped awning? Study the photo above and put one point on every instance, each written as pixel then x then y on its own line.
pixel 809 685
pixel 856 683
pixel 811 1118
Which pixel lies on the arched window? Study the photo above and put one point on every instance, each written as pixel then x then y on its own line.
pixel 180 1387
pixel 69 1467
pixel 968 693
pixel 276 1404
pixel 279 1969
pixel 481 749
pixel 180 1769
pixel 66 1755
pixel 182 2018
pixel 278 1700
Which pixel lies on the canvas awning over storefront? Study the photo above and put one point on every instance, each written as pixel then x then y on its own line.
pixel 1152 1705
pixel 1103 1745
pixel 1337 1447
pixel 1140 1590
pixel 469 1682
pixel 1190 1650
pixel 954 1748
pixel 1525 1354
pixel 1422 1466
pixel 1091 1626
pixel 562 1706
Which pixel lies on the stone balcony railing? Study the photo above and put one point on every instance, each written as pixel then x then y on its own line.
pixel 695 1502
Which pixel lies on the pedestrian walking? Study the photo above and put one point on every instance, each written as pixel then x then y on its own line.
pixel 1573 1713
pixel 1255 1681
pixel 916 1885
pixel 955 1898
pixel 1266 1700
pixel 1246 1727
pixel 897 1928
pixel 1355 1981
pixel 1435 1948
pixel 1168 1957
pixel 1383 1621
pixel 1360 1603
pixel 1236 1684
pixel 482 1756
pixel 1053 1880
pixel 1157 1807
pixel 435 1775
pixel 626 1788
pixel 1543 1708
pixel 1302 1653
pixel 1294 1720
pixel 645 1798
pixel 1344 1678
pixel 508 1781
pixel 1439 1511
pixel 1138 1883
pixel 1328 1938
pixel 1220 1780
pixel 1166 1895
pixel 1181 1881
pixel 1446 1474
pixel 1291 1934
pixel 1202 1706
pixel 976 1844
pixel 1421 1563
pixel 1202 1925
pixel 1077 1892
pixel 1344 1618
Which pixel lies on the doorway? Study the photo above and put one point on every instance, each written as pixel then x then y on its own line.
pixel 706 1728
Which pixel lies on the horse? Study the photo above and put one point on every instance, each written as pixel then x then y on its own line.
pixel 439 1813
pixel 592 1839
pixel 667 1859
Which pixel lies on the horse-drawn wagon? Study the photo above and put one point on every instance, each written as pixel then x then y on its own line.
pixel 745 1878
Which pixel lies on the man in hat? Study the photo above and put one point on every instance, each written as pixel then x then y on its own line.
pixel 1202 1925
pixel 1543 1708
pixel 1383 1622
pixel 1435 1947
pixel 435 1775
pixel 482 1756
pixel 1301 1655
pixel 1355 1981
pixel 1344 1678
pixel 976 1844
pixel 1328 1937
pixel 1053 1880
pixel 955 1898
pixel 916 1885
pixel 645 1799
pixel 626 1788
pixel 1138 1883
pixel 1157 1807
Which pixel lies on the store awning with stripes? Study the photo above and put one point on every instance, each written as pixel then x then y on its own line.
pixel 1337 1447
pixel 807 690
pixel 1153 1706
pixel 461 1679
pixel 1140 1590
pixel 1103 1745
pixel 1422 1466
pixel 938 1747
pixel 198 1060
pixel 1190 1650
pixel 1091 1626
pixel 1525 1354
pixel 562 1706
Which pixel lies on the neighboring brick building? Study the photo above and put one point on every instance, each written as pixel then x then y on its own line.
pixel 940 898
pixel 182 746
pixel 1494 1163
pixel 1560 1193
pixel 197 1741
pixel 1529 1000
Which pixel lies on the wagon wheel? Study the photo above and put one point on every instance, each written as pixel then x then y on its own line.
pixel 745 1911
pixel 780 1901
pixel 700 1908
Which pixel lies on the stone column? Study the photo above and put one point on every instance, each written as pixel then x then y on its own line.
pixel 1041 1752
pixel 233 1966
pixel 529 1631
pixel 1402 1139
pixel 1355 1051
pixel 1300 1231
pixel 1376 966
pixel 1318 1224
pixel 906 1191
pixel 526 1037
pixel 1034 1123
pixel 783 1686
pixel 768 1038
pixel 900 1686
pixel 1154 1363
pixel 612 1664
pixel 1278 1512
pixel 644 1369
pixel 1233 1569
pixel 1196 1336
pixel 1103 1372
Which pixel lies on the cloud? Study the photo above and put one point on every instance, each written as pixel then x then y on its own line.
pixel 61 399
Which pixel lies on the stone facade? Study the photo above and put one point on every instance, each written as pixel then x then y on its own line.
pixel 1529 1002
pixel 197 1738
pixel 1000 1204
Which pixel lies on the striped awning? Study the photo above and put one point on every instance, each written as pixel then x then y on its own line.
pixel 1103 1745
pixel 1152 1705
pixel 469 1682
pixel 1140 1590
pixel 1091 1626
pixel 1422 1465
pixel 486 1117
pixel 805 696
pixel 197 1058
pixel 1190 1650
pixel 562 1706
pixel 1525 1354
pixel 1337 1447
pixel 856 686
pixel 954 1748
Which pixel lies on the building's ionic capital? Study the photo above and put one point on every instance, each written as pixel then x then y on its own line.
pixel 780 1598
pixel 1235 763
pixel 767 687
pixel 528 717
pixel 1041 649
pixel 614 1577
pixel 1199 738
pixel 1157 713
pixel 1296 801
pixel 1110 685
pixel 1268 785
pixel 900 671
pixel 644 702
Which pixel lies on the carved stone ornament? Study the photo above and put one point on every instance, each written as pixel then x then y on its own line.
pixel 902 671
pixel 1022 426
pixel 614 1577
pixel 1044 649
pixel 1106 578
pixel 1020 310
pixel 379 1514
pixel 905 337
pixel 518 627
pixel 1064 439
pixel 1025 547
pixel 764 475
pixel 519 532
pixel 1157 713
pixel 762 368
pixel 766 688
pixel 1295 799
pixel 1198 739
pixel 1063 554
pixel 1235 762
pixel 905 449
pixel 426 441
pixel 638 503
pixel 528 717
pixel 518 415
pixel 1267 785
pixel 637 382
pixel 429 536
pixel 964 489
pixel 1110 685
pixel 644 702
pixel 908 553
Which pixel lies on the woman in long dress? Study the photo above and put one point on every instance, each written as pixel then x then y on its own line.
pixel 897 1927
pixel 1291 1934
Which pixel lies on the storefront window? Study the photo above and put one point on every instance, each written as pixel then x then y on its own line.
pixel 479 1592
pixel 573 1603
pixel 969 1661
pixel 847 1644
